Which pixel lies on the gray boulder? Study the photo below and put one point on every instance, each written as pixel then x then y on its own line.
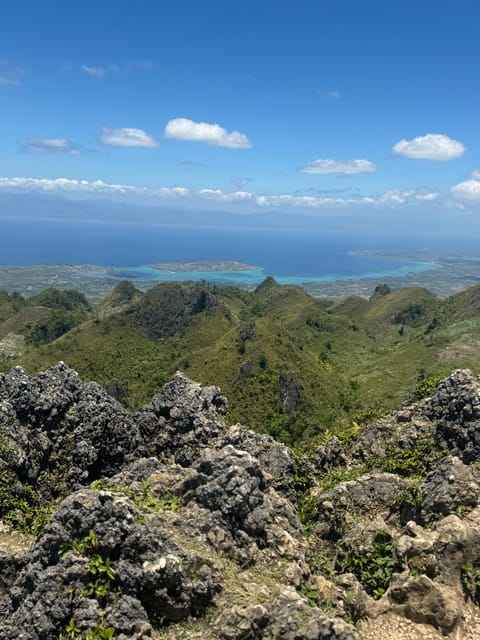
pixel 448 488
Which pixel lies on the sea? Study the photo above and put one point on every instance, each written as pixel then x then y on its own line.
pixel 291 256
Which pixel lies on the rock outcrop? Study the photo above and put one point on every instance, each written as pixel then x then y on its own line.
pixel 167 521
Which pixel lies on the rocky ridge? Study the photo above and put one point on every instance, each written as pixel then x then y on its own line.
pixel 167 523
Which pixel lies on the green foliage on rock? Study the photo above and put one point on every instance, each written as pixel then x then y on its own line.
pixel 373 565
pixel 470 577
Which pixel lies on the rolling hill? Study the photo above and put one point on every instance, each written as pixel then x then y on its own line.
pixel 291 366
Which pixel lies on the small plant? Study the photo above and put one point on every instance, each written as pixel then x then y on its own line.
pixel 470 576
pixel 99 568
pixel 312 595
pixel 337 476
pixel 72 630
pixel 308 512
pixel 149 502
pixel 321 562
pixel 374 566
pixel 103 575
pixel 86 546
pixel 410 462
pixel 461 510
pixel 100 485
pixel 424 387
pixel 18 503
pixel 97 633
pixel 42 520
pixel 301 483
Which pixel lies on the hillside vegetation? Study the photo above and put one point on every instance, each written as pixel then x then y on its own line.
pixel 290 365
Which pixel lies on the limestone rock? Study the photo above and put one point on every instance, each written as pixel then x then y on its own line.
pixel 424 601
pixel 448 487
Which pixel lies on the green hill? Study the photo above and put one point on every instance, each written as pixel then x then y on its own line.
pixel 290 366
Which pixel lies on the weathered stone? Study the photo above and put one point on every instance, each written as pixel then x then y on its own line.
pixel 450 486
pixel 191 514
pixel 424 601
pixel 368 496
pixel 289 390
pixel 455 404
pixel 288 617
pixel 275 458
pixel 189 415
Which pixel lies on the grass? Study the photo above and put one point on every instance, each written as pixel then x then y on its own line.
pixel 354 357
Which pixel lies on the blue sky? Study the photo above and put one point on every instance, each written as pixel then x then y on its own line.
pixel 308 105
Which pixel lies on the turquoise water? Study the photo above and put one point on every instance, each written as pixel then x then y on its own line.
pixel 291 256
pixel 255 276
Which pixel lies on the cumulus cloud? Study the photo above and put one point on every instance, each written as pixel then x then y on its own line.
pixel 281 200
pixel 221 196
pixel 345 167
pixel 469 189
pixel 393 198
pixel 96 187
pixel 397 197
pixel 10 74
pixel 101 71
pixel 212 134
pixel 65 184
pixel 427 197
pixel 433 146
pixel 38 144
pixel 126 138
pixel 170 192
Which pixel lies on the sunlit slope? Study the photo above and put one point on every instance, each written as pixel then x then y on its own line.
pixel 287 365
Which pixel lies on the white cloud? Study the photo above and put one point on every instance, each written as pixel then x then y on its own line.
pixel 469 189
pixel 398 197
pixel 212 134
pixel 10 74
pixel 427 197
pixel 334 95
pixel 126 138
pixel 102 70
pixel 281 200
pixel 346 167
pixel 221 196
pixel 65 184
pixel 390 198
pixel 51 145
pixel 394 198
pixel 96 187
pixel 171 192
pixel 433 146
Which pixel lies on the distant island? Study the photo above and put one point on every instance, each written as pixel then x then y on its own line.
pixel 450 272
pixel 207 266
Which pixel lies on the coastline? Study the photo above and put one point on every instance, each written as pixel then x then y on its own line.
pixel 443 274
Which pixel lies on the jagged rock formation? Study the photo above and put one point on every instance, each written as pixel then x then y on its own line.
pixel 165 523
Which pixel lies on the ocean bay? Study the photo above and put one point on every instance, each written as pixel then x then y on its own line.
pixel 292 255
